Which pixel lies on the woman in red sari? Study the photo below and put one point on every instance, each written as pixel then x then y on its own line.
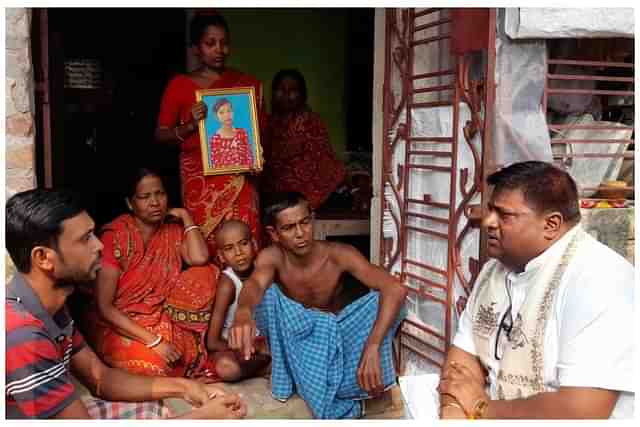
pixel 298 155
pixel 209 199
pixel 152 316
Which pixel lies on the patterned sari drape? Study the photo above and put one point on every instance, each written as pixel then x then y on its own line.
pixel 210 199
pixel 154 292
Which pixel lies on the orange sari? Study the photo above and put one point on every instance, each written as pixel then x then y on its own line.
pixel 156 294
pixel 210 199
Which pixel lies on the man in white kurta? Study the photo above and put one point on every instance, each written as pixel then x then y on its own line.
pixel 548 330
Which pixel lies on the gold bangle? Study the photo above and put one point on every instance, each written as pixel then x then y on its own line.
pixel 479 408
pixel 175 130
pixel 452 405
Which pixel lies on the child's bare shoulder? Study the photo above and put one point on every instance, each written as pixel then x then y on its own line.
pixel 225 295
pixel 225 282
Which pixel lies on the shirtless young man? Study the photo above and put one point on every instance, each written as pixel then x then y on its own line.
pixel 308 272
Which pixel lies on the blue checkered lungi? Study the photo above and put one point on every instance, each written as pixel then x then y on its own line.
pixel 316 354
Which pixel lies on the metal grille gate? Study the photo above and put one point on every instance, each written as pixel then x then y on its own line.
pixel 423 77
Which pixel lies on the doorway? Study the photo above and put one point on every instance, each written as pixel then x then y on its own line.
pixel 104 124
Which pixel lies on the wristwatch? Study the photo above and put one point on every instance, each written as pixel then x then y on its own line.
pixel 478 410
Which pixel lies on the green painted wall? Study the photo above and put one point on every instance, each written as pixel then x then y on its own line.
pixel 264 41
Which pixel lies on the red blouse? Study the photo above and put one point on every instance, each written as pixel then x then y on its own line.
pixel 228 152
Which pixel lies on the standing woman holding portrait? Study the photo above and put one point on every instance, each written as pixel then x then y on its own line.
pixel 209 199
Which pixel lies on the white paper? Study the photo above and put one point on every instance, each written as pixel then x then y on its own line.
pixel 421 400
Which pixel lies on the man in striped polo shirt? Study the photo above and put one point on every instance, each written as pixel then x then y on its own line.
pixel 51 241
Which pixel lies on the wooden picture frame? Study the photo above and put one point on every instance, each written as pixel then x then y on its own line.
pixel 229 135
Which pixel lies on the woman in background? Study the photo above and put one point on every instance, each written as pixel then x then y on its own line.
pixel 298 155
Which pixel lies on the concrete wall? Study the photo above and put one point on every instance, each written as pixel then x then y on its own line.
pixel 556 22
pixel 613 227
pixel 19 103
pixel 19 107
pixel 378 140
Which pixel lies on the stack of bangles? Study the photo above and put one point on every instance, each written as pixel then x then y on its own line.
pixel 154 342
pixel 189 228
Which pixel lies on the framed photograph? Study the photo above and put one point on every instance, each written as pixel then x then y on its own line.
pixel 229 135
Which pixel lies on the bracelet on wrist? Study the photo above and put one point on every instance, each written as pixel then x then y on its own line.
pixel 452 405
pixel 175 130
pixel 190 228
pixel 154 342
pixel 479 408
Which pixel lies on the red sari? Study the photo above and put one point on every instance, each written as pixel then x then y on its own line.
pixel 299 157
pixel 154 292
pixel 210 199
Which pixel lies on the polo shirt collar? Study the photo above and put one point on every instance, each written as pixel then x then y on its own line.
pixel 20 290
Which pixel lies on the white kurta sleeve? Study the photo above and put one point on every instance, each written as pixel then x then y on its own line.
pixel 596 326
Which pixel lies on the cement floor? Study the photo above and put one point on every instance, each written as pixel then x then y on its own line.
pixel 257 393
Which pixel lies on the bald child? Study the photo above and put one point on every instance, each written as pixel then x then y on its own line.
pixel 236 251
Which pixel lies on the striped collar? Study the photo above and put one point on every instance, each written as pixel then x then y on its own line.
pixel 20 293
